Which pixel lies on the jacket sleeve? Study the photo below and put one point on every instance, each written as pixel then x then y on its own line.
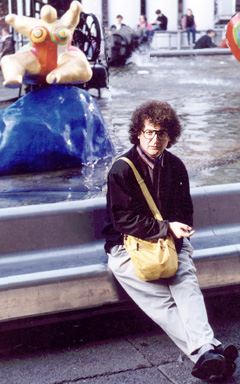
pixel 183 200
pixel 129 211
pixel 210 43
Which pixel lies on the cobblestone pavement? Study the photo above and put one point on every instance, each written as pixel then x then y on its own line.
pixel 115 347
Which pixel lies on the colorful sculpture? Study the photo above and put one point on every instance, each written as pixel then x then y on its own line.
pixel 50 55
pixel 233 35
pixel 70 132
pixel 57 126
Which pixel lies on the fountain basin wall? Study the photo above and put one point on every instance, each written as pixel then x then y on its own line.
pixel 57 251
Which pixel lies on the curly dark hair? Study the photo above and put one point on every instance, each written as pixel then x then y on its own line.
pixel 158 114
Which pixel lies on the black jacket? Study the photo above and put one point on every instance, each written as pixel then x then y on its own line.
pixel 127 210
pixel 205 42
pixel 164 21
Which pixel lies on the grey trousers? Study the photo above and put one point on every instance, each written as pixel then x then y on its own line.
pixel 176 304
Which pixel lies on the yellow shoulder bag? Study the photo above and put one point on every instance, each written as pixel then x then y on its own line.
pixel 152 259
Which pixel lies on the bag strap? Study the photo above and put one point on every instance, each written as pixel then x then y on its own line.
pixel 144 189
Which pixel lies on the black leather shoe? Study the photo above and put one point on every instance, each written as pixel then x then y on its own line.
pixel 230 352
pixel 209 364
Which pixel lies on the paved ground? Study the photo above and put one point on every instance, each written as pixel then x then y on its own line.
pixel 116 347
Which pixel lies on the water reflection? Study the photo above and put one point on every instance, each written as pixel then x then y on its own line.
pixel 205 93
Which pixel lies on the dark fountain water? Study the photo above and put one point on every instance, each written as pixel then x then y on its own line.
pixel 204 90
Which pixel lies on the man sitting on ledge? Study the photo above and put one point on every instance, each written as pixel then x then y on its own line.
pixel 175 303
pixel 161 21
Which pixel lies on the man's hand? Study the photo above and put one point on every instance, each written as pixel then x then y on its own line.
pixel 180 230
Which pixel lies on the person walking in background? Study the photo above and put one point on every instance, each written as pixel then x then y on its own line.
pixel 176 304
pixel 161 21
pixel 189 25
pixel 206 40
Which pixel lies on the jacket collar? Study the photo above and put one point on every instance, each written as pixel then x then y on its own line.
pixel 148 160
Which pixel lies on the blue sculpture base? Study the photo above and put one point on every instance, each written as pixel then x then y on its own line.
pixel 56 127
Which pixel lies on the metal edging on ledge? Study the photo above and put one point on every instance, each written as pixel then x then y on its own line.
pixel 53 208
pixel 96 203
pixel 190 52
pixel 216 252
pixel 53 276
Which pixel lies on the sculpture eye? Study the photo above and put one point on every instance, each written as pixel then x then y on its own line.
pixel 38 34
pixel 60 35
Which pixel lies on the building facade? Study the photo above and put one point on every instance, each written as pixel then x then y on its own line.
pixel 208 13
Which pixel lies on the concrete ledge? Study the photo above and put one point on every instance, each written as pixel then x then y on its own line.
pixel 191 52
pixel 52 256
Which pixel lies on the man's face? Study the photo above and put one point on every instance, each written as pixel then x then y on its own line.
pixel 152 144
pixel 119 20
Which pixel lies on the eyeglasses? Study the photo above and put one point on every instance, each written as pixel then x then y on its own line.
pixel 162 135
